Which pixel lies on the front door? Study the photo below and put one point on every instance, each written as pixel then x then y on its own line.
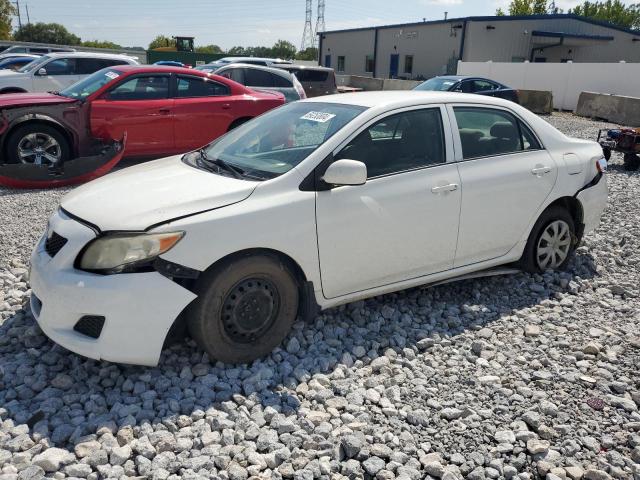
pixel 506 176
pixel 393 65
pixel 403 222
pixel 203 110
pixel 56 75
pixel 327 61
pixel 141 107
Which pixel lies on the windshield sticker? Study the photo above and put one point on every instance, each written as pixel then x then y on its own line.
pixel 320 117
pixel 112 75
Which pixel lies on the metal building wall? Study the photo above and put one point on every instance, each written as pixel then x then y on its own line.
pixel 354 45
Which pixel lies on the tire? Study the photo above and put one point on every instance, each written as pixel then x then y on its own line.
pixel 18 141
pixel 631 162
pixel 244 309
pixel 532 260
pixel 606 152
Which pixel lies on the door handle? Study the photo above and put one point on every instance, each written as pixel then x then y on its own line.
pixel 540 170
pixel 226 106
pixel 452 187
pixel 164 111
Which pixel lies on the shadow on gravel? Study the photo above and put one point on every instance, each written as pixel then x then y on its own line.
pixel 63 397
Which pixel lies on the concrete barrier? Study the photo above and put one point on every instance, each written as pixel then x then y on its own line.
pixel 395 84
pixel 366 83
pixel 612 108
pixel 538 101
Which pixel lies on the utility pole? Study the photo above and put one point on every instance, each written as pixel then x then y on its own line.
pixel 308 39
pixel 27 7
pixel 19 17
pixel 320 20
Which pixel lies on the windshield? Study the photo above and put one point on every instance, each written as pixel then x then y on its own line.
pixel 437 84
pixel 277 141
pixel 90 84
pixel 30 67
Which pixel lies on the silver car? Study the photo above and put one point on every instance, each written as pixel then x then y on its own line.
pixel 257 77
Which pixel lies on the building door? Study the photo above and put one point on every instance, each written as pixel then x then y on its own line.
pixel 393 65
pixel 327 61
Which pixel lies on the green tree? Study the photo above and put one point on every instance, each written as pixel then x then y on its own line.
pixel 100 44
pixel 525 7
pixel 46 33
pixel 236 51
pixel 613 11
pixel 162 41
pixel 208 49
pixel 6 11
pixel 310 53
pixel 283 49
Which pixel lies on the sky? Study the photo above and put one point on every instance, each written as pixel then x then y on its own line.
pixel 237 22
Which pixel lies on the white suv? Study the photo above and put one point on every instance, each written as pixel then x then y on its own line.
pixel 57 71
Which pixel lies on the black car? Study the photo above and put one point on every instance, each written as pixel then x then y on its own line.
pixel 477 85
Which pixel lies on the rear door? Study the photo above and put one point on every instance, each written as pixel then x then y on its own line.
pixel 203 110
pixel 58 74
pixel 506 176
pixel 140 106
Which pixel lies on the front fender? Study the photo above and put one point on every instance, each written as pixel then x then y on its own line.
pixel 72 172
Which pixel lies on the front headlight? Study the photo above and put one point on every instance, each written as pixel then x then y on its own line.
pixel 118 252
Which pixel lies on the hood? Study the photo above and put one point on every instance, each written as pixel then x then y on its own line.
pixel 138 197
pixel 24 99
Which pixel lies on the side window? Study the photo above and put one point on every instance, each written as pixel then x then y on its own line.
pixel 400 142
pixel 483 86
pixel 87 66
pixel 200 87
pixel 488 132
pixel 237 75
pixel 282 82
pixel 148 87
pixel 61 66
pixel 257 78
pixel 465 86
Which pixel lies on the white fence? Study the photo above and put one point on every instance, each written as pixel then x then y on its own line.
pixel 564 80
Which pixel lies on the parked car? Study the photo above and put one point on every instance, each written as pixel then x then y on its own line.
pixel 57 71
pixel 162 111
pixel 264 78
pixel 37 50
pixel 169 63
pixel 263 61
pixel 477 85
pixel 316 81
pixel 315 204
pixel 16 62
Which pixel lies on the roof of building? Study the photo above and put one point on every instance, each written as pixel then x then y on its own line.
pixel 495 18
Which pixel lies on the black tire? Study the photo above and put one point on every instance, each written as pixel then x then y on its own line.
pixel 22 131
pixel 238 326
pixel 606 151
pixel 631 162
pixel 529 261
pixel 237 122
pixel 12 90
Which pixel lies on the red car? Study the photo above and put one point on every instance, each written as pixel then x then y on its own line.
pixel 57 138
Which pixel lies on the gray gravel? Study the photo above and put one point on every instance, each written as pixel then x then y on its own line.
pixel 513 377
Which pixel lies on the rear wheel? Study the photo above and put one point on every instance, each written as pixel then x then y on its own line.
pixel 631 162
pixel 551 242
pixel 606 151
pixel 37 144
pixel 244 309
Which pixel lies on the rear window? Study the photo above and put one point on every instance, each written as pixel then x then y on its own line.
pixel 311 75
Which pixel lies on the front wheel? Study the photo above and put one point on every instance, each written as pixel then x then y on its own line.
pixel 551 242
pixel 244 309
pixel 37 144
pixel 631 162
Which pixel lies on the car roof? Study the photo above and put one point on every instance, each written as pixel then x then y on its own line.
pixel 88 55
pixel 261 59
pixel 389 99
pixel 294 66
pixel 275 71
pixel 157 68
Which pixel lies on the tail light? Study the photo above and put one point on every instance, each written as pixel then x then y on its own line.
pixel 298 86
pixel 601 165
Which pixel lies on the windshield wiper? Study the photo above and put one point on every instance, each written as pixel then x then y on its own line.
pixel 218 162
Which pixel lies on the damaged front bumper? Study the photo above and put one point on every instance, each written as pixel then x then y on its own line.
pixel 71 172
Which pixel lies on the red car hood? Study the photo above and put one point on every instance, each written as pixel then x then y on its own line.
pixel 24 99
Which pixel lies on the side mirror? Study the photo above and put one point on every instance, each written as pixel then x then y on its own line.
pixel 346 172
pixel 42 72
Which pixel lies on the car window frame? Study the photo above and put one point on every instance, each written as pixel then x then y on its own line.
pixel 459 155
pixel 105 94
pixel 55 59
pixel 494 85
pixel 448 137
pixel 173 86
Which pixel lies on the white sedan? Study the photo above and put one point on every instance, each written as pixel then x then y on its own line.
pixel 315 204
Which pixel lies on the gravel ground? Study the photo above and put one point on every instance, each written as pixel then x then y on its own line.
pixel 512 377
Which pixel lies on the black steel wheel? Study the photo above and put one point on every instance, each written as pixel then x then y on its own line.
pixel 631 162
pixel 245 308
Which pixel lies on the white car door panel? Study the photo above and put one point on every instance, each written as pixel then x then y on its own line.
pixel 398 225
pixel 500 192
pixel 60 73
